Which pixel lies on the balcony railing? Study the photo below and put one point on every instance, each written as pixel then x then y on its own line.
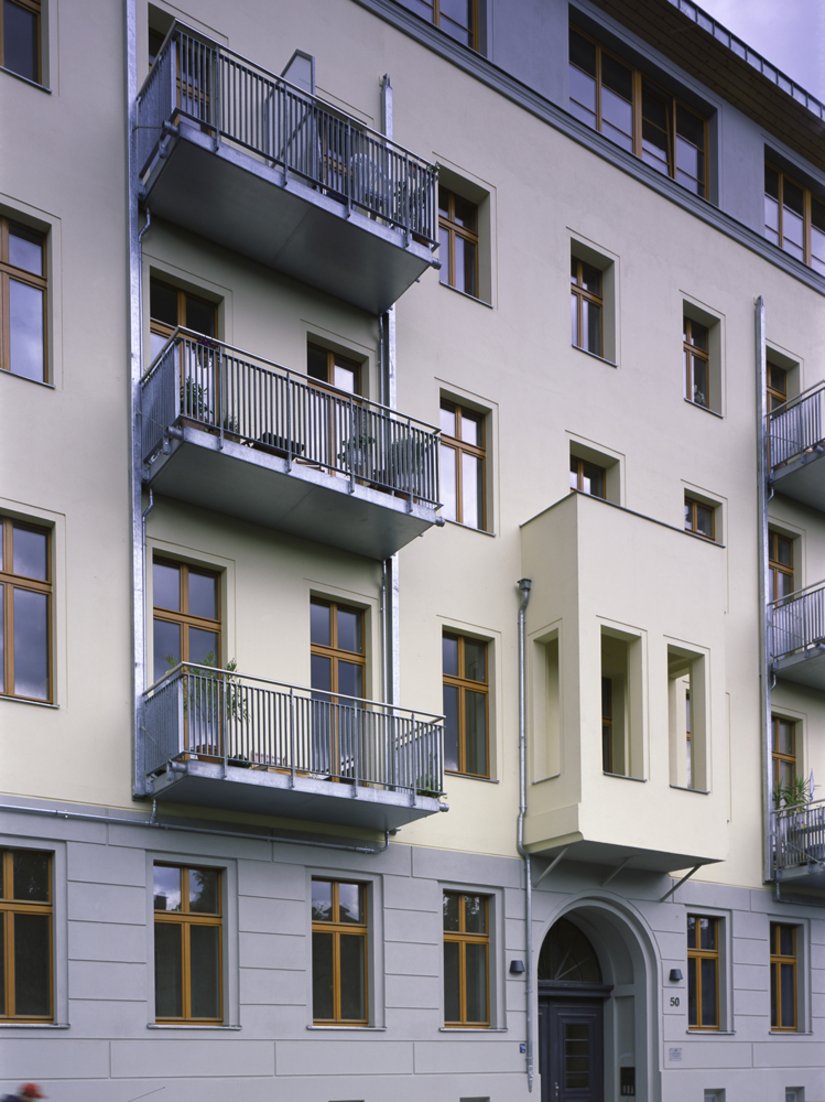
pixel 798 622
pixel 198 713
pixel 798 426
pixel 280 124
pixel 799 837
pixel 233 395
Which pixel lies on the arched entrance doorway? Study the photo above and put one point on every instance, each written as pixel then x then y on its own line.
pixel 594 1002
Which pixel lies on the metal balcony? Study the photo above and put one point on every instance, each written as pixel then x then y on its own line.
pixel 797 441
pixel 254 163
pixel 799 844
pixel 797 637
pixel 242 436
pixel 217 739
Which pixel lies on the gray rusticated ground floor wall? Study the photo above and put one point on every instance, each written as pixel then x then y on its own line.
pixel 104 1045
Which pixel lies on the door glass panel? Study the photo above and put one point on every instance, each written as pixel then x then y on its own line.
pixel 203 647
pixel 576 1055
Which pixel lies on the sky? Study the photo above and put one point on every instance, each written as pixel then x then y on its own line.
pixel 788 33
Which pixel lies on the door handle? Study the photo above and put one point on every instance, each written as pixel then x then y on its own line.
pixel 556 1090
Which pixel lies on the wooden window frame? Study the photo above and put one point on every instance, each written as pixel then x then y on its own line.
pixel 808 199
pixel 472 29
pixel 453 230
pixel 776 567
pixel 463 937
pixel 182 617
pixel 9 582
pixel 778 961
pixel 333 651
pixel 35 7
pixel 336 929
pixel 780 758
pixel 693 352
pixel 464 684
pixel 163 328
pixel 776 395
pixel 186 919
pixel 9 908
pixel 579 469
pixel 9 273
pixel 639 81
pixel 581 295
pixel 693 505
pixel 695 955
pixel 462 447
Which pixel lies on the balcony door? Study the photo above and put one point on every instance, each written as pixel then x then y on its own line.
pixel 337 424
pixel 338 671
pixel 169 308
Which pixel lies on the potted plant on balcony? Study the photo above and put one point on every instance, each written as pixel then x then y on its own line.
pixel 800 828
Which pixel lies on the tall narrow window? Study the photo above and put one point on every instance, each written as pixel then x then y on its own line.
pixel 586 307
pixel 466 959
pixel 795 218
pixel 466 705
pixel 187 619
pixel 784 977
pixel 20 38
pixel 458 240
pixel 25 611
pixel 687 718
pixel 23 301
pixel 703 952
pixel 780 564
pixel 339 432
pixel 696 352
pixel 457 18
pixel 188 944
pixel 339 952
pixel 621 699
pixel 26 955
pixel 462 456
pixel 783 752
pixel 777 385
pixel 338 674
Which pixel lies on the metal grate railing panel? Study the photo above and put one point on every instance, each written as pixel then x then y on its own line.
pixel 798 426
pixel 799 836
pixel 798 622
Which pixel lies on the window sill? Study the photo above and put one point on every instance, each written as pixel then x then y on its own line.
pixel 189 1027
pixel 31 382
pixel 684 788
pixel 704 409
pixel 624 777
pixel 471 777
pixel 699 536
pixel 26 80
pixel 594 356
pixel 346 1028
pixel 480 1030
pixel 465 294
pixel 34 1025
pixel 786 1033
pixel 24 700
pixel 468 527
pixel 711 1032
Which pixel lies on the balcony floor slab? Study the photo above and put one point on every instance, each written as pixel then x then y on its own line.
pixel 803 668
pixel 803 478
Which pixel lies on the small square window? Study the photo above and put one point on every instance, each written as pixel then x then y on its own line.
pixel 594 473
pixel 700 517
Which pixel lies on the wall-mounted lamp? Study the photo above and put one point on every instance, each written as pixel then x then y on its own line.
pixel 516 967
pixel 676 975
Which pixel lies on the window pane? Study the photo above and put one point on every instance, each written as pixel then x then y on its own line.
pixel 447 477
pixel 31 644
pixel 447 421
pixel 476 963
pixel 166 888
pixel 204 647
pixel 475 705
pixel 204 895
pixel 449 655
pixel 30 877
pixel 451 907
pixel 471 490
pixel 786 940
pixel 166 586
pixel 704 520
pixel 322 1003
pixel 168 970
pixel 166 645
pixel 709 1015
pixel 466 213
pixel 468 257
pixel 4 918
pixel 205 969
pixel 203 595
pixel 20 40
pixel 692 973
pixel 353 1003
pixel 349 630
pixel 2 641
pixel 475 660
pixel 349 903
pixel 321 900
pixel 32 965
pixel 475 914
pixel 26 337
pixel 592 324
pixel 26 250
pixel 163 302
pixel 200 316
pixel 452 1006
pixel 319 624
pixel 707 933
pixel 450 706
pixel 30 553
pixel 787 991
pixel 774 1001
pixel 576 1055
pixel 350 679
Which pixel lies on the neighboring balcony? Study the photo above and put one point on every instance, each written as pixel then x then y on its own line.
pixel 245 437
pixel 797 439
pixel 797 636
pixel 216 739
pixel 254 163
pixel 799 845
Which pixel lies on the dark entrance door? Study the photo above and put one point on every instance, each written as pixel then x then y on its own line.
pixel 571 1049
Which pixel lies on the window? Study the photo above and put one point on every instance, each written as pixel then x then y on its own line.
pixel 687 718
pixel 186 617
pixel 586 306
pixel 338 666
pixel 188 944
pixel 795 218
pixel 624 105
pixel 458 241
pixel 784 978
pixel 26 913
pixel 170 307
pixel 461 458
pixel 20 38
pixel 621 698
pixel 700 517
pixel 457 18
pixel 696 350
pixel 780 564
pixel 587 478
pixel 703 935
pixel 23 301
pixel 466 959
pixel 325 366
pixel 466 705
pixel 777 385
pixel 783 753
pixel 339 953
pixel 25 611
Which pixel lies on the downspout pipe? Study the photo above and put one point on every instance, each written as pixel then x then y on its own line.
pixel 524 585
pixel 765 611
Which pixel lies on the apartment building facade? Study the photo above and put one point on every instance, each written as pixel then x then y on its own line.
pixel 412 554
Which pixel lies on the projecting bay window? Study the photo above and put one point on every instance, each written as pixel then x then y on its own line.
pixel 704 974
pixel 20 31
pixel 23 301
pixel 784 980
pixel 466 960
pixel 25 611
pixel 626 107
pixel 188 944
pixel 795 218
pixel 26 935
pixel 339 953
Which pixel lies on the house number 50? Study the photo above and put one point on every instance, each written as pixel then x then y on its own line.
pixel 674 1000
